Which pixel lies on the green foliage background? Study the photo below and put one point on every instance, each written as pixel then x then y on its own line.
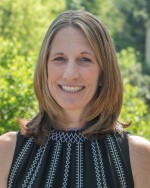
pixel 22 28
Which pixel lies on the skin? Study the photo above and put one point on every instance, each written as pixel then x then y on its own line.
pixel 140 161
pixel 69 66
pixel 7 147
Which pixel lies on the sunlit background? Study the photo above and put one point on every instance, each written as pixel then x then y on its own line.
pixel 22 27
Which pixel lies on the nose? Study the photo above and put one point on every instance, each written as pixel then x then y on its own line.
pixel 71 71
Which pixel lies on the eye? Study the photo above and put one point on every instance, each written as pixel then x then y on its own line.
pixel 59 59
pixel 85 59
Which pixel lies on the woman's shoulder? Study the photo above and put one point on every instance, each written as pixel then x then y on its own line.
pixel 8 136
pixel 7 145
pixel 139 142
pixel 139 148
pixel 12 142
pixel 8 142
pixel 7 148
pixel 140 160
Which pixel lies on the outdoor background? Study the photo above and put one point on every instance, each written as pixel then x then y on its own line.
pixel 23 24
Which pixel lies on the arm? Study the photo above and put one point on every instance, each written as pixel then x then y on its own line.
pixel 140 161
pixel 7 148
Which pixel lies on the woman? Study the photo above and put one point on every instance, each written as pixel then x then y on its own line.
pixel 75 140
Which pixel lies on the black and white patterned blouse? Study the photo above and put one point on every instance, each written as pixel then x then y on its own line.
pixel 70 160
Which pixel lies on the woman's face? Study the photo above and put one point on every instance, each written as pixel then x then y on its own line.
pixel 73 71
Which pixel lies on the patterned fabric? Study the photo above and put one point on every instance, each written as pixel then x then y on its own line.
pixel 70 160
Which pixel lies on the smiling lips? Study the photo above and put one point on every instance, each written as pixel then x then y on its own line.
pixel 71 89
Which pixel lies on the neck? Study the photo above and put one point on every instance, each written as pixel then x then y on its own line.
pixel 75 121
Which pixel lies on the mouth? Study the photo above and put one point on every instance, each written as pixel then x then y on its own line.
pixel 71 89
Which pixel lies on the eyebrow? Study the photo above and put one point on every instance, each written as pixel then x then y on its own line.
pixel 87 53
pixel 60 53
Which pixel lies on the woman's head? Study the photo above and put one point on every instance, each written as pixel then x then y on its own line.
pixel 73 72
pixel 108 98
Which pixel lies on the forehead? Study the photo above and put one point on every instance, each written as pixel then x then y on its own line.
pixel 70 37
pixel 69 30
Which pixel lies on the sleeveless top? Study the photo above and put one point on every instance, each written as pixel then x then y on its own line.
pixel 71 160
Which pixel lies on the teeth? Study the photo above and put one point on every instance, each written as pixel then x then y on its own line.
pixel 72 89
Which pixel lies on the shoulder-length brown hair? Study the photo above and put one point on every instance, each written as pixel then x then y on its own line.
pixel 105 109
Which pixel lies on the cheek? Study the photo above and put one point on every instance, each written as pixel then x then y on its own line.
pixel 51 77
pixel 93 77
pixel 53 73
